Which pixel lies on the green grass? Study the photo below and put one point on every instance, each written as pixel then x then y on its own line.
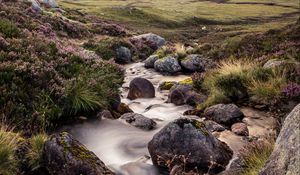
pixel 255 156
pixel 234 80
pixel 35 153
pixel 8 145
pixel 182 16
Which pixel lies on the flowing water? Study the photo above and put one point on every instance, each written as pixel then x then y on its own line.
pixel 124 148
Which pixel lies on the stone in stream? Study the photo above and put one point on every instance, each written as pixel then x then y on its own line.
pixel 187 140
pixel 213 126
pixel 166 85
pixel 149 62
pixel 197 63
pixel 168 65
pixel 139 121
pixel 285 157
pixel 140 88
pixel 225 114
pixel 184 94
pixel 240 129
pixel 64 155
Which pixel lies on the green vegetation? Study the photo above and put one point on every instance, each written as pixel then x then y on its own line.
pixel 236 80
pixel 255 156
pixel 8 145
pixel 106 48
pixel 8 28
pixel 181 19
pixel 35 153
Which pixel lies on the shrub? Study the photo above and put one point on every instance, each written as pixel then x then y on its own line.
pixel 36 149
pixel 8 145
pixel 9 29
pixel 292 91
pixel 255 155
pixel 106 48
pixel 198 79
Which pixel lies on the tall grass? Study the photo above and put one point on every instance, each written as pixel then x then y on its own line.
pixel 37 144
pixel 82 98
pixel 255 156
pixel 238 79
pixel 8 145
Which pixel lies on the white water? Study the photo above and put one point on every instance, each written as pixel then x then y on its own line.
pixel 124 148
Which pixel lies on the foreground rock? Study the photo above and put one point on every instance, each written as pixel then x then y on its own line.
pixel 168 64
pixel 141 88
pixel 184 94
pixel 226 114
pixel 240 129
pixel 64 155
pixel 285 157
pixel 139 121
pixel 197 63
pixel 189 139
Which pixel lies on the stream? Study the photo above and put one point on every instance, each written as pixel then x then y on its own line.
pixel 123 147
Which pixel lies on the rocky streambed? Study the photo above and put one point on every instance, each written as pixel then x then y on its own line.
pixel 123 147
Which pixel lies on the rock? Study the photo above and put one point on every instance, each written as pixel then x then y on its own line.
pixel 188 139
pixel 139 121
pixel 225 114
pixel 213 126
pixel 273 63
pixel 240 129
pixel 285 156
pixel 63 154
pixel 49 3
pixel 197 63
pixel 166 85
pixel 168 64
pixel 105 114
pixel 35 5
pixel 123 55
pixel 158 41
pixel 123 108
pixel 140 88
pixel 149 62
pixel 184 94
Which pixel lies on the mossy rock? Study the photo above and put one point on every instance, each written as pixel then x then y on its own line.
pixel 63 154
pixel 188 81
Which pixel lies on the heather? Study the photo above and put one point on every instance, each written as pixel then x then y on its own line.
pixel 46 79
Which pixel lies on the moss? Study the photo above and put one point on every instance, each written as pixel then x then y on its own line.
pixel 188 81
pixel 167 85
pixel 77 150
pixel 201 127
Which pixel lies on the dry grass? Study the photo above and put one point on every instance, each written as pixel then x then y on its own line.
pixel 37 144
pixel 8 145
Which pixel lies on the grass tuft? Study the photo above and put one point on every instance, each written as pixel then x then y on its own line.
pixel 37 144
pixel 8 145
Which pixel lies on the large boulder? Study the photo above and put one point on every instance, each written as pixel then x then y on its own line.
pixel 64 155
pixel 139 121
pixel 49 3
pixel 141 88
pixel 197 63
pixel 149 62
pixel 158 41
pixel 123 55
pixel 168 64
pixel 181 94
pixel 226 114
pixel 285 157
pixel 187 142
